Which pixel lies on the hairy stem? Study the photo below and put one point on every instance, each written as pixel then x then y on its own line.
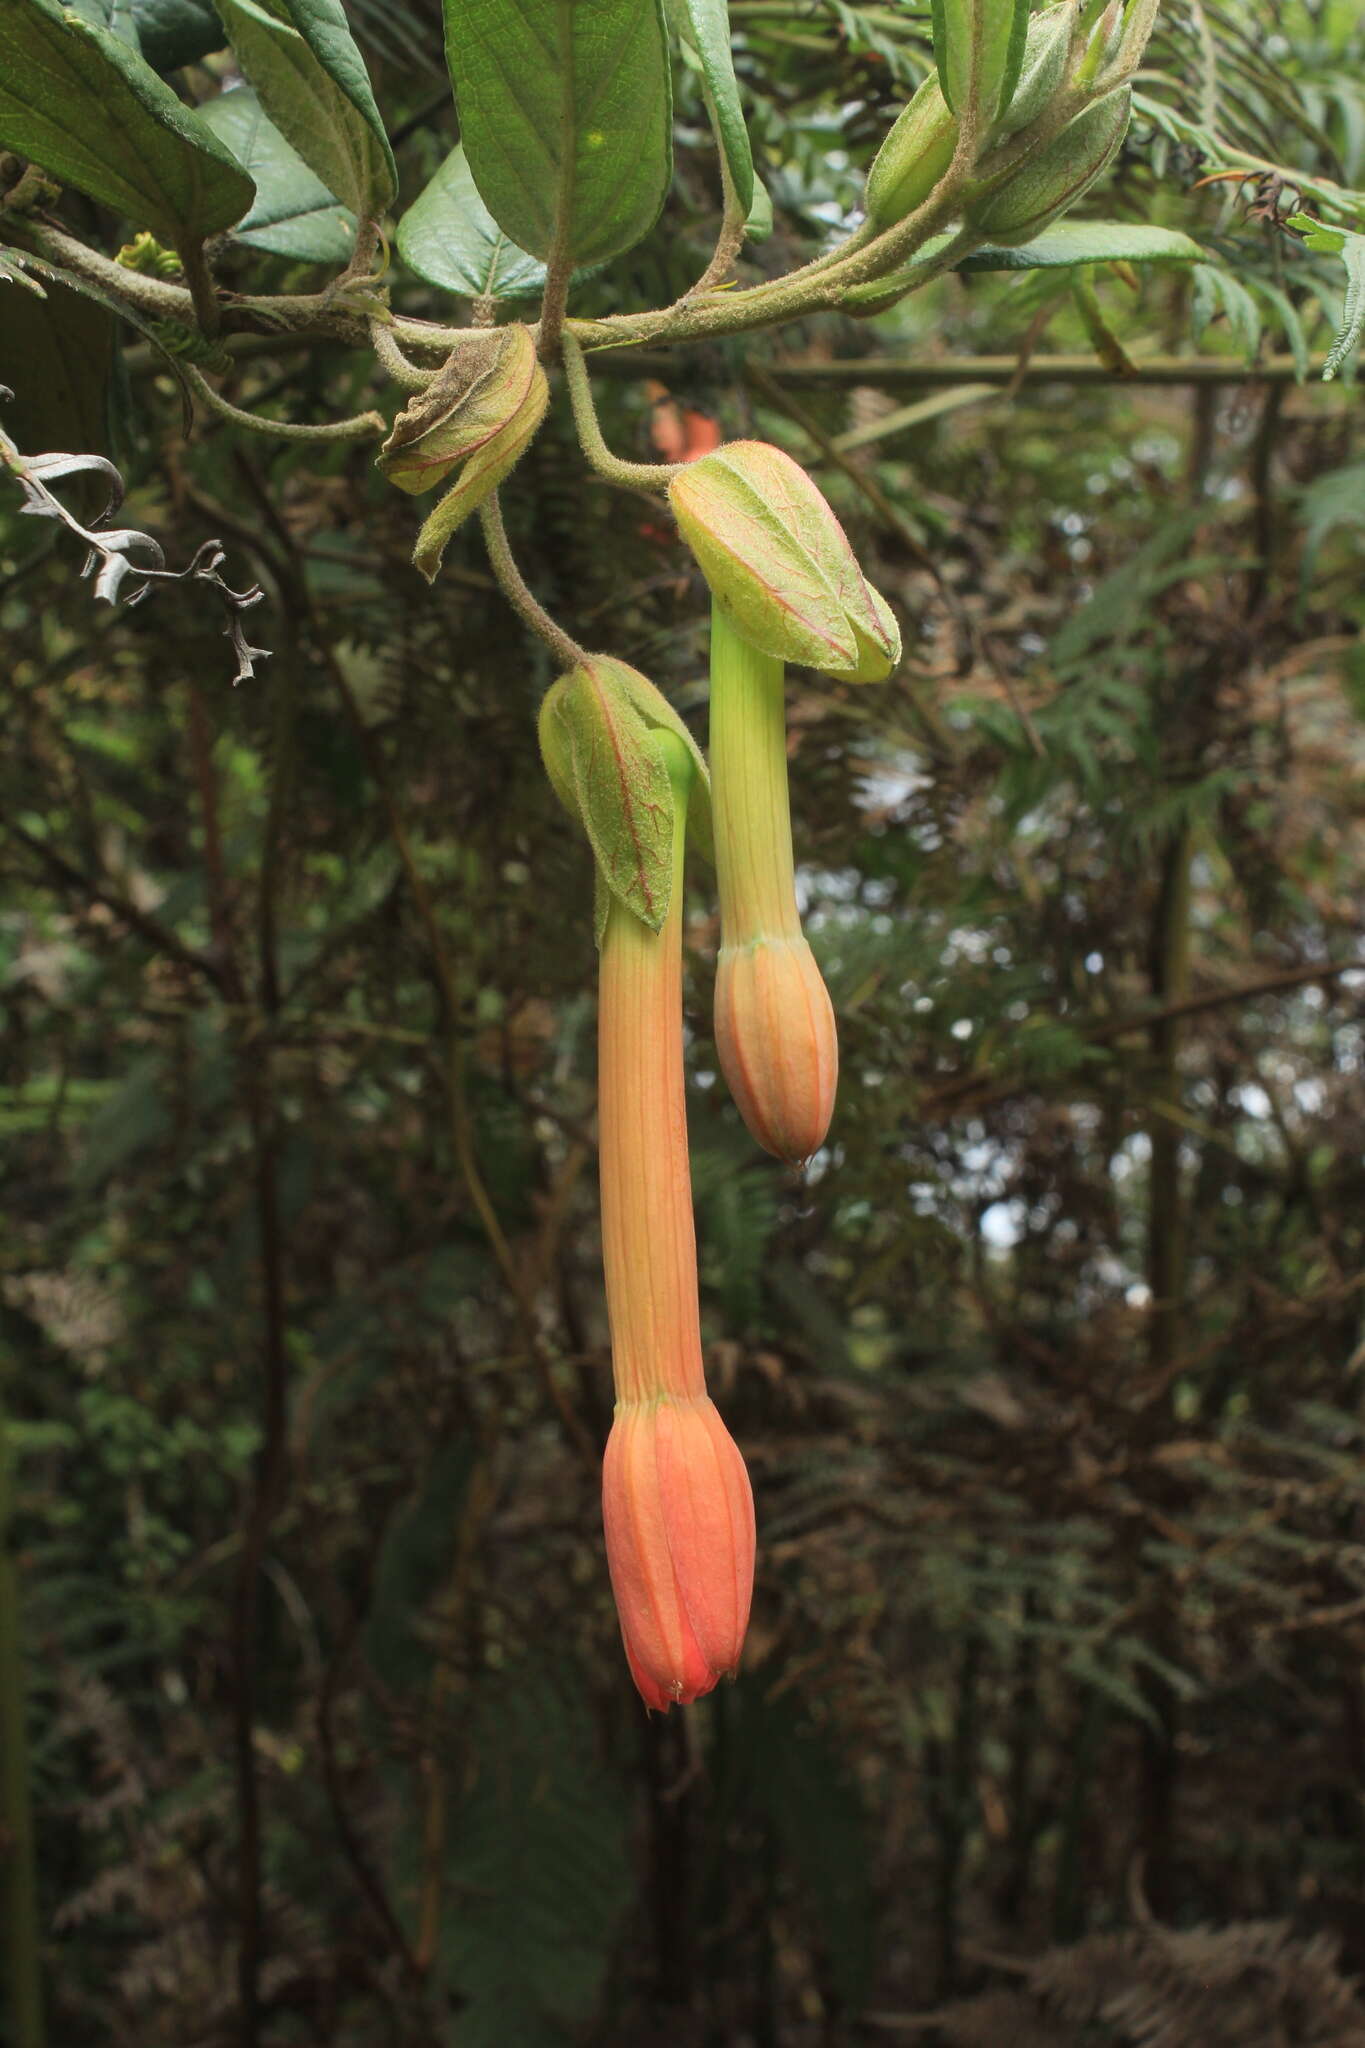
pixel 203 293
pixel 362 426
pixel 518 593
pixel 653 475
pixel 392 359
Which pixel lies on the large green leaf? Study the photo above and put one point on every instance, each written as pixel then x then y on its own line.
pixel 82 103
pixel 169 33
pixel 449 237
pixel 565 115
pixel 705 25
pixel 294 215
pixel 325 29
pixel 312 80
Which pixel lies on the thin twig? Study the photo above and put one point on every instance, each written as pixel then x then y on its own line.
pixel 360 427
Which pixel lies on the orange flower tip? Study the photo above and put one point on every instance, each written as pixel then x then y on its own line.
pixel 778 1045
pixel 679 1520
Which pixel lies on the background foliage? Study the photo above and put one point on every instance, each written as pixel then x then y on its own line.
pixel 1049 1370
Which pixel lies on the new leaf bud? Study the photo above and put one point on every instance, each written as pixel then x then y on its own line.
pixel 1047 47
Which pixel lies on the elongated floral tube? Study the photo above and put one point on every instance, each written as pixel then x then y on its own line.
pixel 676 1503
pixel 774 1022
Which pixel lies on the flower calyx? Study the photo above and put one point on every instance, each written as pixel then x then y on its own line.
pixel 779 563
pixel 617 755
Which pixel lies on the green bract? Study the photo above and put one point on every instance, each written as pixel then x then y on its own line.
pixel 602 728
pixel 913 157
pixel 979 45
pixel 779 563
pixel 1047 47
pixel 1055 178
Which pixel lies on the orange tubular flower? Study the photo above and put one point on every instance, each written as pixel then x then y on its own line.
pixel 676 1501
pixel 775 1030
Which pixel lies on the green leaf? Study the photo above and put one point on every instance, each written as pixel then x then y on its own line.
pixel 294 215
pixel 1331 501
pixel 1060 247
pixel 1351 249
pixel 449 237
pixel 169 33
pixel 312 80
pixel 705 24
pixel 1088 241
pixel 565 113
pixel 621 783
pixel 1291 323
pixel 81 103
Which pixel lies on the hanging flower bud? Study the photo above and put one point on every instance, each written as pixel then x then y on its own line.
pixel 914 156
pixel 679 1519
pixel 481 410
pixel 774 1023
pixel 778 1045
pixel 676 1503
pixel 1051 182
pixel 779 563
